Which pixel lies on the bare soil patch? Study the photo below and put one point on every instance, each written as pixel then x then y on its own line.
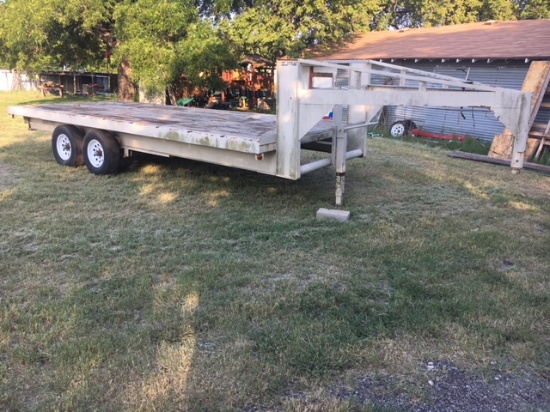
pixel 450 388
pixel 8 176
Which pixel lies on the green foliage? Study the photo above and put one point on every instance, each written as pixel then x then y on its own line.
pixel 418 13
pixel 203 55
pixel 163 39
pixel 498 10
pixel 167 39
pixel 286 28
pixel 449 12
pixel 279 28
pixel 148 32
pixel 36 35
pixel 535 9
pixel 222 8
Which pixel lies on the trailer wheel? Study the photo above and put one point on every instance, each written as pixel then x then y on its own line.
pixel 101 152
pixel 401 128
pixel 67 145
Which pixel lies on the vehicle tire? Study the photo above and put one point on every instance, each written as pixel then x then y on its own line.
pixel 401 128
pixel 101 152
pixel 67 145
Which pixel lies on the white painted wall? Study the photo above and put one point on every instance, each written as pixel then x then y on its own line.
pixel 8 81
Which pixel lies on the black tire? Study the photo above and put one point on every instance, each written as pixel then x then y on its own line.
pixel 401 128
pixel 67 145
pixel 101 152
pixel 410 125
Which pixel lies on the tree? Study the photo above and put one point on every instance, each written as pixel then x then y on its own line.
pixel 534 9
pixel 149 40
pixel 164 39
pixel 219 9
pixel 39 35
pixel 421 13
pixel 279 28
pixel 33 37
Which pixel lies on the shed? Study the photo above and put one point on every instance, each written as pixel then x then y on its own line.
pixel 495 52
pixel 82 82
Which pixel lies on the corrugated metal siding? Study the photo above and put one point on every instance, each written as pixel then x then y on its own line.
pixel 543 115
pixel 475 122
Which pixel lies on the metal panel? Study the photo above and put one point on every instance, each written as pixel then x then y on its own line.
pixel 479 123
pixel 543 115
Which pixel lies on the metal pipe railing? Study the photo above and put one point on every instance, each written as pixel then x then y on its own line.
pixel 319 164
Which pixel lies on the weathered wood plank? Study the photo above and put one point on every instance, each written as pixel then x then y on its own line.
pixel 248 125
pixel 238 131
pixel 536 82
pixel 497 161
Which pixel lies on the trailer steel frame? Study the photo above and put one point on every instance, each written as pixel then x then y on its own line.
pixel 306 92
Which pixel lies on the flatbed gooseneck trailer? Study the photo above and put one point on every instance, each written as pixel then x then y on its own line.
pixel 100 134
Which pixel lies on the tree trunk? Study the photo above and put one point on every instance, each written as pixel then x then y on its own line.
pixel 126 88
pixel 172 95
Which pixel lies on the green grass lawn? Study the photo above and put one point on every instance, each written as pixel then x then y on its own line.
pixel 176 285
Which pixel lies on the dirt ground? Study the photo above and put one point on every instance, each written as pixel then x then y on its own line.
pixel 450 389
pixel 8 176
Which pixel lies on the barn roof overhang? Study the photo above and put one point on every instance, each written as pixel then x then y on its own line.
pixel 525 40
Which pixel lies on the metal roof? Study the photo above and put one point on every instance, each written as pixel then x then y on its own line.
pixel 523 39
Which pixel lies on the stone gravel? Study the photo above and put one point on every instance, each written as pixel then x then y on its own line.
pixel 450 389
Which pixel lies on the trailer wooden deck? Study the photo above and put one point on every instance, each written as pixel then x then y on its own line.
pixel 245 132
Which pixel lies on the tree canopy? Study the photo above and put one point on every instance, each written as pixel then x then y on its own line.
pixel 278 28
pixel 163 39
pixel 37 35
pixel 154 41
pixel 423 13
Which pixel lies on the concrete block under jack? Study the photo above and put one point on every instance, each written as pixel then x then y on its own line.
pixel 332 214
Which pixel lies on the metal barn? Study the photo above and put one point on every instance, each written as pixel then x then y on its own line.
pixel 494 53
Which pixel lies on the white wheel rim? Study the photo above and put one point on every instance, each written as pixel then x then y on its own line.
pixel 397 130
pixel 63 147
pixel 95 153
